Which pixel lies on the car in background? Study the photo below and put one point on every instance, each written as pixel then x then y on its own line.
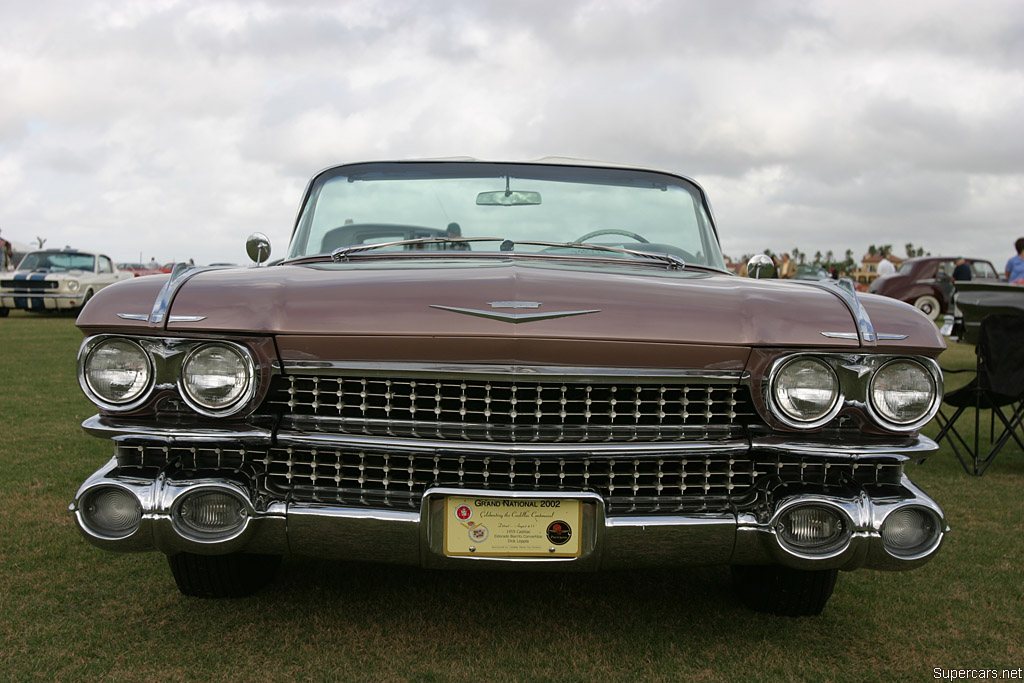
pixel 57 279
pixel 523 366
pixel 139 269
pixel 927 282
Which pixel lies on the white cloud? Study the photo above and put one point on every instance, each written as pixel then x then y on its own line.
pixel 175 128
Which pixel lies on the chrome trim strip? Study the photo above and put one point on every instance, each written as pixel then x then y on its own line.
pixel 180 274
pixel 882 336
pixel 525 372
pixel 144 317
pixel 848 295
pixel 554 450
pixel 185 318
pixel 914 448
pixel 120 429
pixel 514 318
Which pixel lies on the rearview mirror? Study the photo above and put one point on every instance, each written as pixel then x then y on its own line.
pixel 257 246
pixel 760 266
pixel 508 198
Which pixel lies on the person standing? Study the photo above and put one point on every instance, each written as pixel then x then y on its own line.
pixel 885 266
pixel 788 269
pixel 6 255
pixel 962 272
pixel 1015 266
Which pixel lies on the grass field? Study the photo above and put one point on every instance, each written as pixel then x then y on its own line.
pixel 69 611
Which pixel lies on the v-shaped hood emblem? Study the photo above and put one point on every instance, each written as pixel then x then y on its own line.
pixel 514 318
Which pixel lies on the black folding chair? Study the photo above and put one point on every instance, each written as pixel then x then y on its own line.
pixel 998 386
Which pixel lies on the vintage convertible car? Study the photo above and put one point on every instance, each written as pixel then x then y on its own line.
pixel 927 282
pixel 54 279
pixel 523 366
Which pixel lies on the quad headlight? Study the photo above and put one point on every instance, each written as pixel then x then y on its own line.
pixel 116 372
pixel 216 378
pixel 902 392
pixel 805 391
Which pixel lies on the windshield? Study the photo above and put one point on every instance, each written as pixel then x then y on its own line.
pixel 57 261
pixel 377 203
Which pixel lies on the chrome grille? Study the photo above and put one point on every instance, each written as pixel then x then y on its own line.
pixel 503 410
pixel 380 479
pixel 23 286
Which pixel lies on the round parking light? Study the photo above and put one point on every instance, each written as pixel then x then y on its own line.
pixel 111 512
pixel 910 531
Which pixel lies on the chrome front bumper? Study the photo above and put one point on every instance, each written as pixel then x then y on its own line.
pixel 416 537
pixel 41 301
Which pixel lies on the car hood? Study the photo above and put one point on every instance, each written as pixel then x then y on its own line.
pixel 506 297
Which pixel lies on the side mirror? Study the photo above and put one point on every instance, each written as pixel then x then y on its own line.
pixel 257 246
pixel 760 266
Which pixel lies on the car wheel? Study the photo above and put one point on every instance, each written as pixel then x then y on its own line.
pixel 928 305
pixel 784 591
pixel 222 576
pixel 4 312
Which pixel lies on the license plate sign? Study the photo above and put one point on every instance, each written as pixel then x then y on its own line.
pixel 511 527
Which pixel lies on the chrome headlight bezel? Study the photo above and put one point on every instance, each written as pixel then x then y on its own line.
pixel 878 414
pixel 71 285
pixel 87 353
pixel 786 415
pixel 238 400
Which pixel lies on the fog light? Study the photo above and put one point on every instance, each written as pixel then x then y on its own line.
pixel 910 531
pixel 210 514
pixel 111 512
pixel 813 530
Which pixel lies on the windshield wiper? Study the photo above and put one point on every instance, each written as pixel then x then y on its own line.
pixel 342 253
pixel 674 262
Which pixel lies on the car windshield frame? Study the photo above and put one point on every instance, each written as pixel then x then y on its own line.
pixel 51 261
pixel 384 202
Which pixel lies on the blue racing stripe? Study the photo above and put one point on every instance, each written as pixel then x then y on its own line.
pixel 20 302
pixel 37 303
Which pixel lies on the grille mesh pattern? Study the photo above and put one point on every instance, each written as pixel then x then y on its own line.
pixel 504 410
pixel 383 480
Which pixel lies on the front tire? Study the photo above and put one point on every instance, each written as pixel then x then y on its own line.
pixel 928 305
pixel 4 312
pixel 784 591
pixel 234 575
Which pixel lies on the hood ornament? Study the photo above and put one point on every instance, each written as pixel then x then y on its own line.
pixel 514 318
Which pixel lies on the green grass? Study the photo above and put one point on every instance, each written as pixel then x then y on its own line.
pixel 70 611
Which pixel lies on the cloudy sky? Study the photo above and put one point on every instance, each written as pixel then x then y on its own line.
pixel 173 129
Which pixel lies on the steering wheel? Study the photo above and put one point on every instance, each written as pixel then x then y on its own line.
pixel 613 231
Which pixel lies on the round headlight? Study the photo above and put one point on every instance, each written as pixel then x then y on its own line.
pixel 72 285
pixel 117 371
pixel 902 392
pixel 806 390
pixel 111 511
pixel 910 531
pixel 216 376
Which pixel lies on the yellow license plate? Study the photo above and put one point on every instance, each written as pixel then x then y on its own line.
pixel 511 527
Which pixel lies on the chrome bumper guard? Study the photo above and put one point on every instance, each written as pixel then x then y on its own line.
pixel 416 538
